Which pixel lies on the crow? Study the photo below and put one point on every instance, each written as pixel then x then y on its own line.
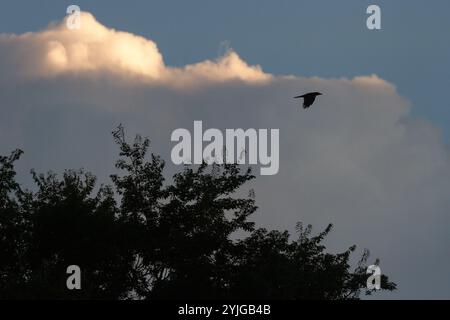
pixel 308 98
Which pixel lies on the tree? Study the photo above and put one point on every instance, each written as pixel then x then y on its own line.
pixel 14 230
pixel 270 266
pixel 145 237
pixel 72 227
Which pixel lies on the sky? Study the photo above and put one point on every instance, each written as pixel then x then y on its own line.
pixel 371 157
pixel 309 38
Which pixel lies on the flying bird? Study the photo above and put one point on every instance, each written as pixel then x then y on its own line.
pixel 308 98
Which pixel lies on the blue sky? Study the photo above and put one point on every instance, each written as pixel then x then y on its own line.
pixel 306 38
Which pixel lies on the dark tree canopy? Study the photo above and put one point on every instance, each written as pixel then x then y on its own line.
pixel 144 237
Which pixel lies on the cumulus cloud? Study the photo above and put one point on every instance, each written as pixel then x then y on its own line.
pixel 357 159
pixel 93 48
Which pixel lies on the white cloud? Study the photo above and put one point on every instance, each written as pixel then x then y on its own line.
pixel 95 48
pixel 356 158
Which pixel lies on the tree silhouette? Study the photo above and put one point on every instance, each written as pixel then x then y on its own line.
pixel 144 237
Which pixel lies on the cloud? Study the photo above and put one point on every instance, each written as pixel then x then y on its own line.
pixel 94 48
pixel 357 158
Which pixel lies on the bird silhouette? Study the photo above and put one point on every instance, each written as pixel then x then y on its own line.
pixel 308 98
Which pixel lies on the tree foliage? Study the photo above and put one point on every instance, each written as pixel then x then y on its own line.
pixel 144 237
